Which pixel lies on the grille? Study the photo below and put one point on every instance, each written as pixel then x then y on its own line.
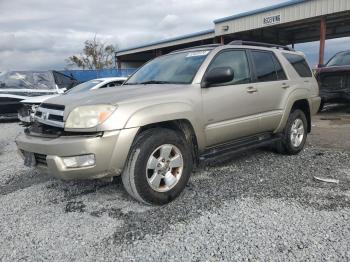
pixel 52 106
pixel 50 114
pixel 37 129
pixel 41 130
pixel 56 118
pixel 333 82
pixel 40 159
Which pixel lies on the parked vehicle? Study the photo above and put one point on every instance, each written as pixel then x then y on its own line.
pixel 334 79
pixel 27 110
pixel 181 108
pixel 19 85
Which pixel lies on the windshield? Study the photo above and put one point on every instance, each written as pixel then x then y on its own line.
pixel 179 68
pixel 86 86
pixel 340 59
pixel 27 80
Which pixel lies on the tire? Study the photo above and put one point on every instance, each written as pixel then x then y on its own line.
pixel 287 145
pixel 141 181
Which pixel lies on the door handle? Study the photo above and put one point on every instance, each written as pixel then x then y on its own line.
pixel 251 89
pixel 284 85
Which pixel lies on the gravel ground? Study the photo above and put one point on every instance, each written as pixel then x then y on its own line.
pixel 257 206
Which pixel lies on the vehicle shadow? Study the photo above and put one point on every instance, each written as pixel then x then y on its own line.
pixel 6 120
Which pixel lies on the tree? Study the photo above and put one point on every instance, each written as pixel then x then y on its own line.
pixel 95 55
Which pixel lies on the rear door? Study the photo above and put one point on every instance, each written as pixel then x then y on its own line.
pixel 272 84
pixel 230 109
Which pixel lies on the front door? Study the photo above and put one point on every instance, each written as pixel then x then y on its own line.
pixel 231 109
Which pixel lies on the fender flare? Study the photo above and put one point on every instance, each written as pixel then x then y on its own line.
pixel 297 94
pixel 168 111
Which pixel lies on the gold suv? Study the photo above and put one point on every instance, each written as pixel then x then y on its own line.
pixel 178 109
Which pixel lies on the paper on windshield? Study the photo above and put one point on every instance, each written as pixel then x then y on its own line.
pixel 197 53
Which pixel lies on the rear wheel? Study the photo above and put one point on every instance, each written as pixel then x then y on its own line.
pixel 294 134
pixel 158 167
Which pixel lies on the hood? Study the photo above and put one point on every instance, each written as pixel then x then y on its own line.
pixel 37 99
pixel 123 94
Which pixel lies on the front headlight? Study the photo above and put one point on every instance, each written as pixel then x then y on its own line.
pixel 89 116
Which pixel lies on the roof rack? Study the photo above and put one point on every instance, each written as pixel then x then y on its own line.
pixel 240 42
pixel 196 47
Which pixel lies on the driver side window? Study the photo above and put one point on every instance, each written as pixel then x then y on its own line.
pixel 237 60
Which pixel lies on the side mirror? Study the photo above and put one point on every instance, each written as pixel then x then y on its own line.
pixel 217 75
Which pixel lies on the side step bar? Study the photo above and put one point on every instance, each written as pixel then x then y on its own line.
pixel 238 146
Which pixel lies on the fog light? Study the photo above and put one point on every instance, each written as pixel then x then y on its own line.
pixel 79 161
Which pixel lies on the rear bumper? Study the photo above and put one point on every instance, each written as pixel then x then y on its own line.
pixel 314 103
pixel 110 150
pixel 335 96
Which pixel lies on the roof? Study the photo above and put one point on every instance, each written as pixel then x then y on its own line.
pixel 212 31
pixel 182 37
pixel 261 10
pixel 212 46
pixel 290 16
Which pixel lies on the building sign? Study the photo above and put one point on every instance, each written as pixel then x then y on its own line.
pixel 270 20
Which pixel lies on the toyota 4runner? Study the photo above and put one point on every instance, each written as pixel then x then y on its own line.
pixel 175 111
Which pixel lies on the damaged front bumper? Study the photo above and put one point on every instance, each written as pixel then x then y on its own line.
pixel 110 150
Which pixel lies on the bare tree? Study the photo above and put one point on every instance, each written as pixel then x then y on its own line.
pixel 95 55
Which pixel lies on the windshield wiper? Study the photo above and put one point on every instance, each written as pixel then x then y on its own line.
pixel 155 82
pixel 150 82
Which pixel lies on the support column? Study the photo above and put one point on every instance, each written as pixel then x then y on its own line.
pixel 119 63
pixel 323 35
pixel 222 40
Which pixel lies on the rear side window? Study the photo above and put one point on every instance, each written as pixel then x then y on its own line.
pixel 299 64
pixel 267 67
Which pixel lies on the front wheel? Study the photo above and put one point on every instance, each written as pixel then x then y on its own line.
pixel 159 166
pixel 294 134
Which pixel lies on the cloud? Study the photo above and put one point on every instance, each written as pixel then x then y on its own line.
pixel 169 22
pixel 41 34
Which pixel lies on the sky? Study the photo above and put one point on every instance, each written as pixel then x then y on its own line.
pixel 41 34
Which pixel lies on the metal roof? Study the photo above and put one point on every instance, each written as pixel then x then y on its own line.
pixel 261 10
pixel 182 37
pixel 298 22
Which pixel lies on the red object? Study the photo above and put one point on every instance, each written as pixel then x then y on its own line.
pixel 323 34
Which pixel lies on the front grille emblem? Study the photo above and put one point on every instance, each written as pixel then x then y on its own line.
pixel 45 116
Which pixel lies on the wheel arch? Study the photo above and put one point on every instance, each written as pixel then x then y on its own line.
pixel 298 103
pixel 184 127
pixel 304 106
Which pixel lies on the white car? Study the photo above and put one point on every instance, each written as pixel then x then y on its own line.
pixel 27 111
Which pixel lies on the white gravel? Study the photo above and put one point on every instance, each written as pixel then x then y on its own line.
pixel 257 206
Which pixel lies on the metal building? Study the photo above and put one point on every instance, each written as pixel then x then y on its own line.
pixel 288 23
